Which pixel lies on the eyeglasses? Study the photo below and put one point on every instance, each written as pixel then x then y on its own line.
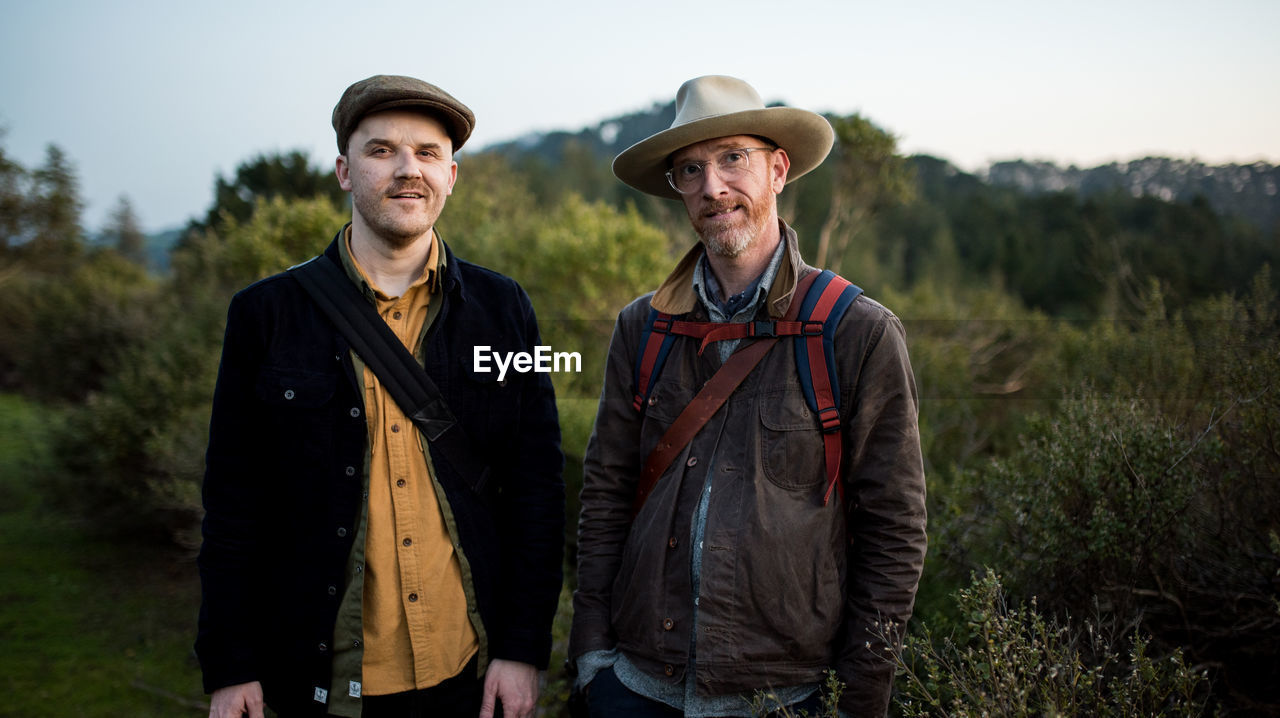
pixel 686 177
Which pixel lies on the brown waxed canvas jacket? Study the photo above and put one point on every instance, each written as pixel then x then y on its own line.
pixel 789 587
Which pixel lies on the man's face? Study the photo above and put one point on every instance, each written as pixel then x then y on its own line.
pixel 399 169
pixel 731 215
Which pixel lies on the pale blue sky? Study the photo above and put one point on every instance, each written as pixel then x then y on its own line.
pixel 152 98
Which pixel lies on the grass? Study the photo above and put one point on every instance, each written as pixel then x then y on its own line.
pixel 90 627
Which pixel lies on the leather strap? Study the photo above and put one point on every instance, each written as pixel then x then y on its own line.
pixel 707 402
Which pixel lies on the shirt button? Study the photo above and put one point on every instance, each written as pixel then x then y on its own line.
pixel 359 568
pixel 400 483
pixel 288 393
pixel 342 531
pixel 355 412
pixel 351 471
pixel 693 461
pixel 413 597
pixel 407 542
pixel 355 643
pixel 669 669
pixel 668 624
pixel 395 428
pixel 396 315
pixel 671 542
pixel 323 647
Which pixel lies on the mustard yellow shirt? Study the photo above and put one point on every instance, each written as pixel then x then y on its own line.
pixel 417 631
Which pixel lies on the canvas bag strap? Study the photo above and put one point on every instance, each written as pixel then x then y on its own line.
pixel 400 373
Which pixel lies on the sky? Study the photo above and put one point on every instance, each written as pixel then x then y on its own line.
pixel 153 99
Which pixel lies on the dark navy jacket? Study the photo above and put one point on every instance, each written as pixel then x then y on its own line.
pixel 284 478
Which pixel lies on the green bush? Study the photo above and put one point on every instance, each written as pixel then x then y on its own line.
pixel 1011 660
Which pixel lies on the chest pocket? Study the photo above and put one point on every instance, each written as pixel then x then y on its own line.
pixel 285 388
pixel 791 449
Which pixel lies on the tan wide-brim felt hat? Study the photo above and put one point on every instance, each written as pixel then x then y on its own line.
pixel 719 106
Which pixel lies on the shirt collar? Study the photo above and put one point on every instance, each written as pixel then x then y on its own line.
pixel 431 273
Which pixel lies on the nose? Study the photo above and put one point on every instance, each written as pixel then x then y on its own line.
pixel 407 166
pixel 713 185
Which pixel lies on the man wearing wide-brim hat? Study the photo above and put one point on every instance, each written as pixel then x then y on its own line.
pixel 715 557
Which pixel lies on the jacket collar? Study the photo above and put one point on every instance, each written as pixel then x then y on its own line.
pixel 676 295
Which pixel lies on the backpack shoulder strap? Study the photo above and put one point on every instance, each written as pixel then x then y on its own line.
pixel 824 303
pixel 655 344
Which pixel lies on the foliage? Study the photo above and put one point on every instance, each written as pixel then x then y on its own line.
pixel 124 233
pixel 141 438
pixel 1014 661
pixel 1155 496
pixel 268 176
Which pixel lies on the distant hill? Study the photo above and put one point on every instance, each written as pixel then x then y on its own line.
pixel 1246 191
pixel 1250 192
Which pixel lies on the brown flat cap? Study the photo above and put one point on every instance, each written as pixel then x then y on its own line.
pixel 385 92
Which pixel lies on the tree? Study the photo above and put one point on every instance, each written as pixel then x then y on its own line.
pixel 124 234
pixel 266 176
pixel 868 174
pixel 13 198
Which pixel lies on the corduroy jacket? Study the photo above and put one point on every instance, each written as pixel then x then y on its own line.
pixel 283 483
pixel 788 587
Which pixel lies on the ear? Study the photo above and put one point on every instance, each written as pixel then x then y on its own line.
pixel 453 177
pixel 343 170
pixel 778 170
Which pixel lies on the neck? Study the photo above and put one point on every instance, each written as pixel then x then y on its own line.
pixel 391 268
pixel 735 274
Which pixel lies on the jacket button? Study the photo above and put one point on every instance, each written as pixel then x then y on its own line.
pixel 407 542
pixel 333 590
pixel 342 531
pixel 288 393
pixel 671 542
pixel 395 428
pixel 413 597
pixel 653 400
pixel 351 471
pixel 400 483
pixel 668 624
pixel 324 647
pixel 669 669
pixel 355 643
pixel 355 412
pixel 692 462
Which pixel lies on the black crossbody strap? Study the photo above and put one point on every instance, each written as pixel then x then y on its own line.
pixel 397 369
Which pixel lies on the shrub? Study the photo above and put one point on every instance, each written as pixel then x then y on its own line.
pixel 1013 661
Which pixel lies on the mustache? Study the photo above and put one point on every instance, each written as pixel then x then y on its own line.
pixel 417 187
pixel 717 206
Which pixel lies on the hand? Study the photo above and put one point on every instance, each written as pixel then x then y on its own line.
pixel 236 701
pixel 514 685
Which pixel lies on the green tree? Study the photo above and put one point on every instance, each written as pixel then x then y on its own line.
pixel 868 175
pixel 265 176
pixel 124 233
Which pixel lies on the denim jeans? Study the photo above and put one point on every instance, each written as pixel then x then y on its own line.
pixel 608 698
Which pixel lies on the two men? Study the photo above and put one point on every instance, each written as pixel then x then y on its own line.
pixel 739 570
pixel 351 566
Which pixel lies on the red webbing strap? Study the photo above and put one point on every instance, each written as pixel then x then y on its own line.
pixel 707 402
pixel 823 392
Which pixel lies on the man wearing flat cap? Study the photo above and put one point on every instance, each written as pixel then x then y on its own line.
pixel 361 557
pixel 732 538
